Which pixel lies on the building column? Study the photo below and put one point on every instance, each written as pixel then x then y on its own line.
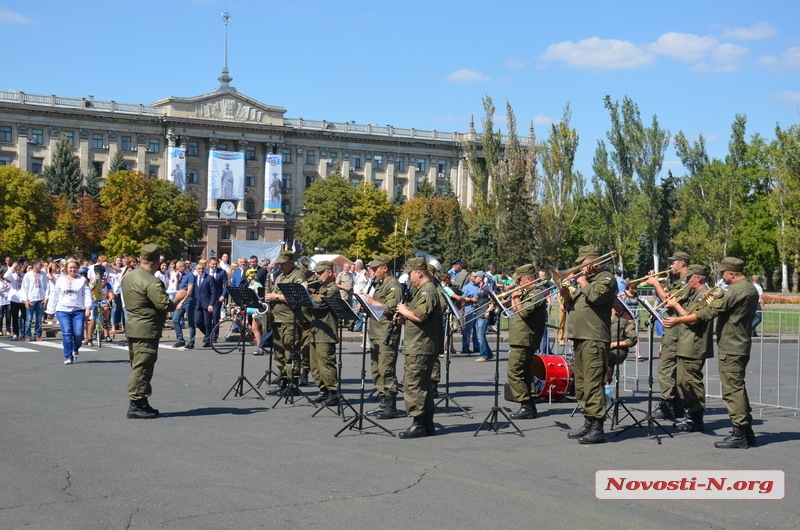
pixel 53 136
pixel 211 204
pixel 83 151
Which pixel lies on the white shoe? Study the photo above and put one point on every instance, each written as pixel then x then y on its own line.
pixel 68 361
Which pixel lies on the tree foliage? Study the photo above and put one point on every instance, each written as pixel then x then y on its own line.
pixel 25 212
pixel 63 176
pixel 328 215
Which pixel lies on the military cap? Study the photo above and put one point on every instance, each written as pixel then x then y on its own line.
pixel 587 251
pixel 683 256
pixel 378 261
pixel 285 256
pixel 415 264
pixel 150 252
pixel 697 269
pixel 524 270
pixel 323 266
pixel 732 264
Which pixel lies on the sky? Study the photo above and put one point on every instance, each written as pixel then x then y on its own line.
pixel 695 65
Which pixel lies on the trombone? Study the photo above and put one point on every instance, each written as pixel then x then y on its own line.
pixel 538 282
pixel 528 303
pixel 708 297
pixel 662 307
pixel 565 277
pixel 662 276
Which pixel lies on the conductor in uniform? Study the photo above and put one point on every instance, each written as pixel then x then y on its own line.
pixel 422 317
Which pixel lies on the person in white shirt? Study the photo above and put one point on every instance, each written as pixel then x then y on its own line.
pixel 34 296
pixel 71 299
pixel 224 263
pixel 14 276
pixel 360 281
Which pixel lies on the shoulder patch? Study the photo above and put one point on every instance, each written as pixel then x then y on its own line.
pixel 716 303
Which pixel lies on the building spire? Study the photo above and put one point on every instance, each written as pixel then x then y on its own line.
pixel 225 79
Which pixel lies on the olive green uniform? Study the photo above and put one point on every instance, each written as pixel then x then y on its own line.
pixel 324 338
pixel 283 335
pixel 147 305
pixel 668 360
pixel 695 345
pixel 624 331
pixel 383 357
pixel 525 332
pixel 421 345
pixel 734 310
pixel 590 327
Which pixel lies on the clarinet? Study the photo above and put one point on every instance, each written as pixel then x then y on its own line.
pixel 393 325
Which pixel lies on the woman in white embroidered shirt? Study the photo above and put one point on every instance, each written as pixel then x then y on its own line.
pixel 71 299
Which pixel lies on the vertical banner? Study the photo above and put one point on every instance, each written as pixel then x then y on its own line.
pixel 273 183
pixel 176 166
pixel 226 175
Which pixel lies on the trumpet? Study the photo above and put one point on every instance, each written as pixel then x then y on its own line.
pixel 565 277
pixel 662 276
pixel 708 297
pixel 662 307
pixel 524 288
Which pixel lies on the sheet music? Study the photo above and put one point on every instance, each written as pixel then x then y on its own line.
pixel 376 309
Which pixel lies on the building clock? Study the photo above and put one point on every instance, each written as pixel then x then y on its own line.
pixel 227 210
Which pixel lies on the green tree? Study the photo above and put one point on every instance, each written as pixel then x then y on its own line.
pixel 141 210
pixel 327 222
pixel 425 189
pixel 92 185
pixel 784 201
pixel 117 162
pixel 430 236
pixel 373 217
pixel 482 163
pixel 398 198
pixel 25 213
pixel 63 176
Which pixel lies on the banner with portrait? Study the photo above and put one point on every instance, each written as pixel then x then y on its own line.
pixel 226 175
pixel 273 184
pixel 176 166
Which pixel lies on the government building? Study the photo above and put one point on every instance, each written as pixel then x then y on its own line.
pixel 227 121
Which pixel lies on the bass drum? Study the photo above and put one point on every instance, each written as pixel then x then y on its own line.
pixel 552 376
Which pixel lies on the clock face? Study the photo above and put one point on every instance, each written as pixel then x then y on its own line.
pixel 227 208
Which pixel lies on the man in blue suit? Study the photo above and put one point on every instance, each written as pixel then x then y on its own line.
pixel 220 278
pixel 206 294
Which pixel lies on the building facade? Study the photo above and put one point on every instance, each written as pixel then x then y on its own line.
pixel 227 120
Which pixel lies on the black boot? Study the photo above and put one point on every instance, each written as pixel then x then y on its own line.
pixel 583 431
pixel 750 435
pixel 144 404
pixel 526 412
pixel 677 407
pixel 380 408
pixel 322 396
pixel 663 411
pixel 417 429
pixel 137 412
pixel 332 400
pixel 278 389
pixel 389 411
pixel 736 440
pixel 303 377
pixel 595 435
pixel 430 427
pixel 692 423
pixel 435 389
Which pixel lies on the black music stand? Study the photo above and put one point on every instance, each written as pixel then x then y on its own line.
pixel 243 297
pixel 651 431
pixel 269 372
pixel 357 421
pixel 492 424
pixel 448 346
pixel 613 409
pixel 343 312
pixel 297 297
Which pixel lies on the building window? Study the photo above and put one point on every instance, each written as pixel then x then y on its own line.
pixel 377 162
pixel 37 136
pixel 36 165
pixel 153 145
pixel 355 182
pixel 286 207
pixel 378 183
pixel 5 160
pixel 309 181
pixel 152 172
pixel 355 161
pixel 225 233
pixel 97 141
pixel 440 190
pixel 222 147
pixel 70 138
pixel 334 158
pixel 286 156
pixel 442 166
pixel 311 156
pixel 250 152
pixel 127 166
pixel 252 234
pixel 125 143
pixel 287 181
pixel 401 163
pixel 194 149
pixel 421 165
pixel 250 206
pixel 193 176
pixel 5 133
pixel 98 168
pixel 249 179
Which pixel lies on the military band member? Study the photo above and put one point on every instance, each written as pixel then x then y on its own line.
pixel 525 331
pixel 734 310
pixel 422 317
pixel 324 338
pixel 695 345
pixel 623 337
pixel 670 406
pixel 383 357
pixel 283 337
pixel 590 325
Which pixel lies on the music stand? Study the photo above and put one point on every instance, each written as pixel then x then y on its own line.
pixel 297 297
pixel 269 372
pixel 343 312
pixel 492 424
pixel 357 421
pixel 653 316
pixel 246 298
pixel 448 345
pixel 623 313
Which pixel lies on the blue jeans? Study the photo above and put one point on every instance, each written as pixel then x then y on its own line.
pixel 186 309
pixel 117 315
pixel 467 332
pixel 33 318
pixel 480 331
pixel 71 331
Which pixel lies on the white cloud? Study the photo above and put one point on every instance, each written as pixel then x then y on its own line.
pixel 761 30
pixel 682 46
pixel 540 120
pixel 598 54
pixel 788 60
pixel 724 58
pixel 515 64
pixel 467 76
pixel 786 95
pixel 12 17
